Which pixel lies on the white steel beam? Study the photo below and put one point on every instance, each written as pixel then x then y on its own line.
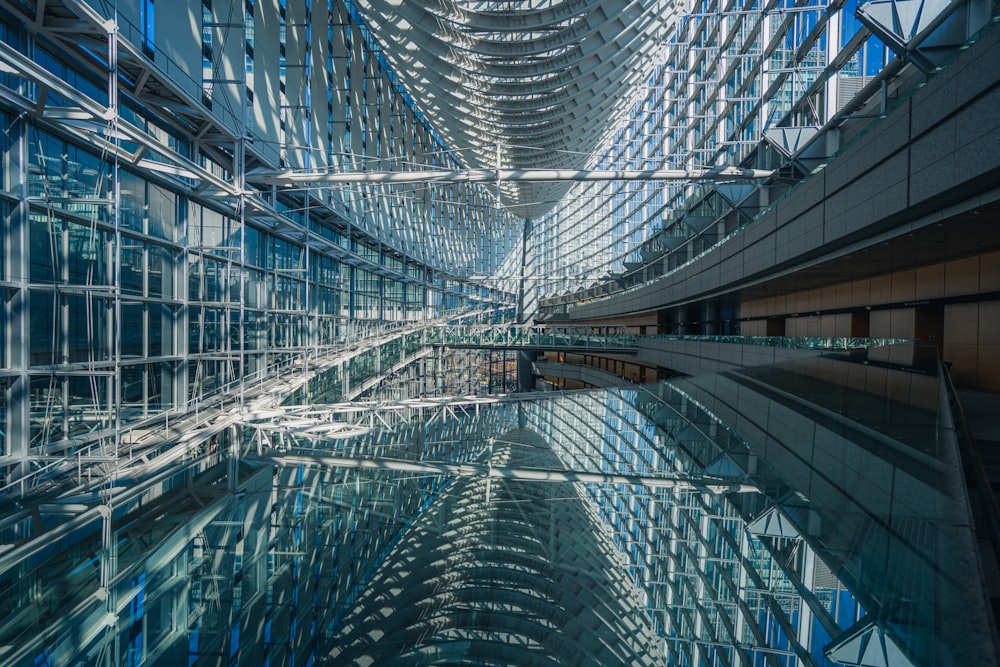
pixel 498 175
pixel 682 482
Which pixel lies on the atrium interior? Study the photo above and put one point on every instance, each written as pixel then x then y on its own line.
pixel 521 332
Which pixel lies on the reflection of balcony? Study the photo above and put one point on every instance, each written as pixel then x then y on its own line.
pixel 805 495
pixel 874 487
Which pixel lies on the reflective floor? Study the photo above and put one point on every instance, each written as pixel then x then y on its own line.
pixel 806 513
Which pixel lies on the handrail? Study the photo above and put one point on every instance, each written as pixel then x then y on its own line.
pixel 586 337
pixel 979 478
pixel 797 342
pixel 515 335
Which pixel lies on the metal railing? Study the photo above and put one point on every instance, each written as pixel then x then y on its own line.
pixel 978 477
pixel 78 454
pixel 791 342
pixel 513 336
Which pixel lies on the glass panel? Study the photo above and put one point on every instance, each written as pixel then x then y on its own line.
pixel 162 212
pixel 89 337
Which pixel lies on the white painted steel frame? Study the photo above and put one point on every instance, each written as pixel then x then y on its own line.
pixel 532 88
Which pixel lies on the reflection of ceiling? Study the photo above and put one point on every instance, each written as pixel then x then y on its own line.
pixel 541 78
pixel 502 572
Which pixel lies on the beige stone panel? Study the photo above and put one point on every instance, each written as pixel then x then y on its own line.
pixel 930 281
pixel 961 324
pixel 904 286
pixel 961 276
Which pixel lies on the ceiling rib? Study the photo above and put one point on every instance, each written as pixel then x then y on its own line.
pixel 536 81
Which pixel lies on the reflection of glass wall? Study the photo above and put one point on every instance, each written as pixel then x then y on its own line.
pixel 767 516
pixel 821 556
pixel 713 588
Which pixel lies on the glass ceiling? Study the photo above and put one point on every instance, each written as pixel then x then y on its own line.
pixel 521 84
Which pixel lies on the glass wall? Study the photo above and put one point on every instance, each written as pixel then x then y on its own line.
pixel 771 86
pixel 144 273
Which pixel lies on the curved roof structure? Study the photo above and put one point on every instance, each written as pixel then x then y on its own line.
pixel 531 84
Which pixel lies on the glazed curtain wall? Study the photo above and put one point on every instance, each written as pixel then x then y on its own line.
pixel 730 71
pixel 194 297
pixel 141 272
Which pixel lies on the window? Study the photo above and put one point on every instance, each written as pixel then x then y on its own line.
pixel 147 15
